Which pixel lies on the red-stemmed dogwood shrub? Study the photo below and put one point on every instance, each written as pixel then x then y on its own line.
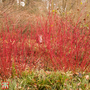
pixel 52 42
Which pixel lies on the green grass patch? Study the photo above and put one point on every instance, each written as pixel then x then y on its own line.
pixel 50 80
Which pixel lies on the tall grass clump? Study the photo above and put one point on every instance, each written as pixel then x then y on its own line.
pixel 51 43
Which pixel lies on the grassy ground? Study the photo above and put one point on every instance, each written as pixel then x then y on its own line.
pixel 47 80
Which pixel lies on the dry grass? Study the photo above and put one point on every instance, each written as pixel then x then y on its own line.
pixel 21 15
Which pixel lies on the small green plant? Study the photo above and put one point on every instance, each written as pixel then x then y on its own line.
pixel 13 70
